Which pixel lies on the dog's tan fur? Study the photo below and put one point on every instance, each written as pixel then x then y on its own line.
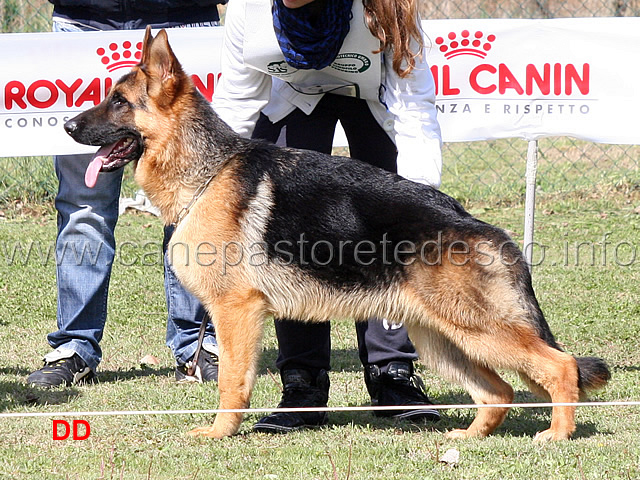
pixel 465 316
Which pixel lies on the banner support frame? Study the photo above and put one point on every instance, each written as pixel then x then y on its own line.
pixel 530 200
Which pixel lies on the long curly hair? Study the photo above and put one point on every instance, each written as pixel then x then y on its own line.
pixel 395 23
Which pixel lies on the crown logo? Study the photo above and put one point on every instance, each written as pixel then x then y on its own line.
pixel 466 44
pixel 120 56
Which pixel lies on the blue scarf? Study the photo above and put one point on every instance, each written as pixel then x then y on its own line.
pixel 310 39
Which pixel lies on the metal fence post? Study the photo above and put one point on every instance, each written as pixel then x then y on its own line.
pixel 530 200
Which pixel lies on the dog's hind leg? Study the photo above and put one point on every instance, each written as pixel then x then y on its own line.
pixel 556 373
pixel 486 388
pixel 238 319
pixel 534 387
pixel 483 384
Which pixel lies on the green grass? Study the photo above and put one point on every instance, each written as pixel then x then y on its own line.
pixel 25 16
pixel 593 308
pixel 30 182
pixel 493 172
pixel 587 193
pixel 477 174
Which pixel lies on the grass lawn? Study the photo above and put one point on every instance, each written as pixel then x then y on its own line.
pixel 586 281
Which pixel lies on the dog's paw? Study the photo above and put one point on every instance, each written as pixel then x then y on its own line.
pixel 550 436
pixel 458 434
pixel 209 431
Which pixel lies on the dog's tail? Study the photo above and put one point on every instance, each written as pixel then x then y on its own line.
pixel 593 372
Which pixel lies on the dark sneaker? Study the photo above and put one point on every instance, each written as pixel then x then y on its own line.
pixel 61 371
pixel 398 385
pixel 206 369
pixel 300 390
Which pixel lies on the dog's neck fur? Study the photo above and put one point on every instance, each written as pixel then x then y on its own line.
pixel 171 192
pixel 171 171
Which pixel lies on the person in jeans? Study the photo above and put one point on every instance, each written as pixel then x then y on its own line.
pixel 87 219
pixel 290 72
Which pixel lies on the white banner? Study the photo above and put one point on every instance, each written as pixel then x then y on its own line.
pixel 495 79
pixel 54 76
pixel 537 78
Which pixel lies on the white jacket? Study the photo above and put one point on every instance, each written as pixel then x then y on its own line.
pixel 255 78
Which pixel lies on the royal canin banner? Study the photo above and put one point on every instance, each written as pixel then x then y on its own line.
pixel 48 78
pixel 537 78
pixel 495 78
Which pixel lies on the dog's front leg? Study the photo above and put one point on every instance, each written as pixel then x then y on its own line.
pixel 238 319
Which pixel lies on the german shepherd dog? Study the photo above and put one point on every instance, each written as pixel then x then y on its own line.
pixel 265 231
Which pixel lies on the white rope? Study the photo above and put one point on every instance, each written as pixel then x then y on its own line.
pixel 316 409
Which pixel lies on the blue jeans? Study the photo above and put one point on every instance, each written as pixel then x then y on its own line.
pixel 86 248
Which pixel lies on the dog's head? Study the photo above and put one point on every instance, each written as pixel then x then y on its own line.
pixel 132 114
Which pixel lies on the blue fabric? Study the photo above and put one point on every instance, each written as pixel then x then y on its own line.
pixel 311 39
pixel 86 250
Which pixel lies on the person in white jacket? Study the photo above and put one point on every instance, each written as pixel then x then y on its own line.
pixel 291 69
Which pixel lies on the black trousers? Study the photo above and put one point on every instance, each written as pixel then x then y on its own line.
pixel 308 345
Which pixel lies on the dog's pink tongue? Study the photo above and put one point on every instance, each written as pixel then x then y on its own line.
pixel 91 175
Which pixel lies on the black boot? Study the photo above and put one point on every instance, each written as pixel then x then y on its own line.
pixel 300 390
pixel 396 384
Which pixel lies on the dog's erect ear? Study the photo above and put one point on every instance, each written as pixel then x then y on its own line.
pixel 146 46
pixel 162 68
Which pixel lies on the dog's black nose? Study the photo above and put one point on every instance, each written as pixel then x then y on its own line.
pixel 71 126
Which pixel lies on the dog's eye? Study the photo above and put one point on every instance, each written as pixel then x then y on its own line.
pixel 119 101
